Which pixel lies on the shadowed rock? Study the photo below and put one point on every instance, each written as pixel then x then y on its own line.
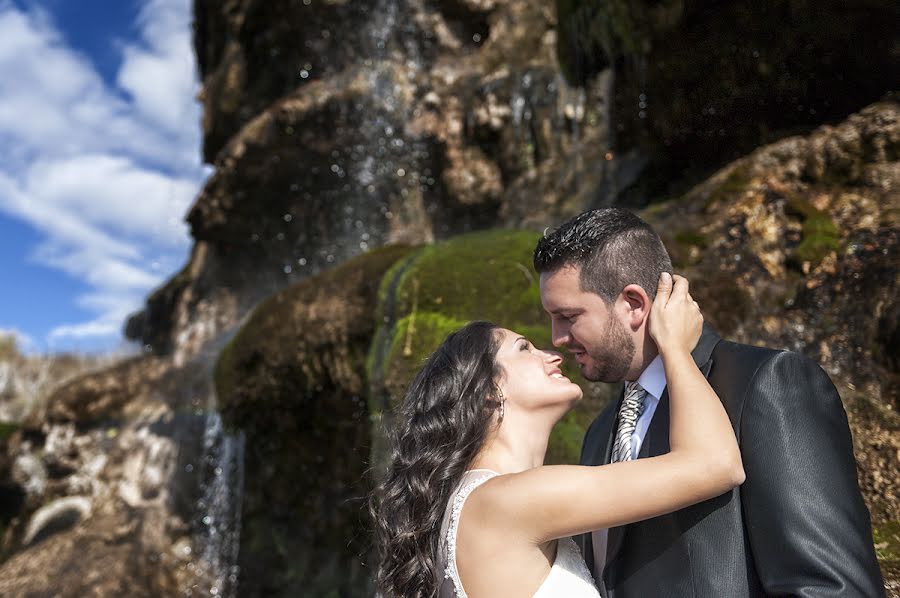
pixel 293 380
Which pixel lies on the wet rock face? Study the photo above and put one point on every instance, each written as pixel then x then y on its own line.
pixel 699 84
pixel 252 52
pixel 293 381
pixel 335 127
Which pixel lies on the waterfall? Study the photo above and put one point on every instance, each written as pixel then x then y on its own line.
pixel 218 519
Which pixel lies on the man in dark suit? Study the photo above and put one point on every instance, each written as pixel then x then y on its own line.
pixel 798 525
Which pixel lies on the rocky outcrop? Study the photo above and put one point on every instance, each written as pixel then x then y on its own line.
pixel 797 246
pixel 336 127
pixel 102 483
pixel 343 132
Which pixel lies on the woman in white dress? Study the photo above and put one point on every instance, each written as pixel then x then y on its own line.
pixel 467 507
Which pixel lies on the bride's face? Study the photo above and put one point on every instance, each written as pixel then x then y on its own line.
pixel 532 378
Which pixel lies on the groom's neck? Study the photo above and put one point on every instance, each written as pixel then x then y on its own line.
pixel 645 352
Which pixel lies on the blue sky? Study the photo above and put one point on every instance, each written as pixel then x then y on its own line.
pixel 99 161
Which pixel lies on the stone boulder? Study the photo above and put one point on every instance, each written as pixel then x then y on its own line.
pixel 101 489
pixel 293 382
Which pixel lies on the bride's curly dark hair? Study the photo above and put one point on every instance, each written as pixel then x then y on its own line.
pixel 440 428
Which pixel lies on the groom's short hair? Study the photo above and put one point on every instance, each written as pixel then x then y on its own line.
pixel 613 247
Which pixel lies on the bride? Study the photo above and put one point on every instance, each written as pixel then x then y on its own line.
pixel 467 507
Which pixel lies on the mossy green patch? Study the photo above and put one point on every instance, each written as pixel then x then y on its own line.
pixel 479 276
pixel 737 181
pixel 484 275
pixel 820 235
pixel 567 437
pixel 316 333
pixel 7 429
pixel 886 538
pixel 692 238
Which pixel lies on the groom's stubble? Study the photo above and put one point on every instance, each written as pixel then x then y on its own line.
pixel 612 355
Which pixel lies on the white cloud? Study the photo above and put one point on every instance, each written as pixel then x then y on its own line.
pixel 103 326
pixel 104 172
pixel 92 185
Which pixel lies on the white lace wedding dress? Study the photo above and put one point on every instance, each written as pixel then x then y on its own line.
pixel 569 576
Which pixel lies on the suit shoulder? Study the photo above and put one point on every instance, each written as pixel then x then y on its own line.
pixel 757 358
pixel 748 354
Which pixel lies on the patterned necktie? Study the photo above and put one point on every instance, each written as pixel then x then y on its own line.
pixel 631 409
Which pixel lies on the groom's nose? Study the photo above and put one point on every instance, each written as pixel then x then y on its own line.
pixel 559 334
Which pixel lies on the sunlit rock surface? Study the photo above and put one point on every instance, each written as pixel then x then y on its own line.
pixel 101 483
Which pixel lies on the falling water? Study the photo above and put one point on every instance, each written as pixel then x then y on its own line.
pixel 219 510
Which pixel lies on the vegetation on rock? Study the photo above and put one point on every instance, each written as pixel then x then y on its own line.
pixel 479 276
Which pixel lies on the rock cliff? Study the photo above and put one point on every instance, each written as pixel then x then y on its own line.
pixel 362 151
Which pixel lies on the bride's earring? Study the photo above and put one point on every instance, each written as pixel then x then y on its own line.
pixel 502 404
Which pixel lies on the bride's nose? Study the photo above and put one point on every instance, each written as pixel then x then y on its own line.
pixel 553 356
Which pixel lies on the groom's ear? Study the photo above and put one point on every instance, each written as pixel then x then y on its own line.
pixel 637 303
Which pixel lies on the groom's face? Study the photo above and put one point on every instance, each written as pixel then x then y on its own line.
pixel 587 326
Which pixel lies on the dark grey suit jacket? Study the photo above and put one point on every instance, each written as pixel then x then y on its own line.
pixel 796 527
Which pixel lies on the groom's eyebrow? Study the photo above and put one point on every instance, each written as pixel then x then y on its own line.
pixel 563 309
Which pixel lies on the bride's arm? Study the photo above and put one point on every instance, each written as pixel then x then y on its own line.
pixel 556 501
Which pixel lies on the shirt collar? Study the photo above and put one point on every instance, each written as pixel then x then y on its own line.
pixel 653 378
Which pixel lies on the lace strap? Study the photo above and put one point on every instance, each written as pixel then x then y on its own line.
pixel 466 488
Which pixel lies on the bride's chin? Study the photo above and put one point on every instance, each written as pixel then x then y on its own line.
pixel 569 405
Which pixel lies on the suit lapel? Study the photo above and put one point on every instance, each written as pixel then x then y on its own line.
pixel 656 441
pixel 604 449
pixel 597 451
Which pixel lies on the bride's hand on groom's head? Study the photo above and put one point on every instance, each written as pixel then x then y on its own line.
pixel 675 318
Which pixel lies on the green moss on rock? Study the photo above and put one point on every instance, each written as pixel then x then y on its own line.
pixel 737 181
pixel 312 335
pixel 479 276
pixel 6 430
pixel 692 238
pixel 820 234
pixel 886 538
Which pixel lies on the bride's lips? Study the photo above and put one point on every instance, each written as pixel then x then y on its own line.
pixel 560 376
pixel 557 373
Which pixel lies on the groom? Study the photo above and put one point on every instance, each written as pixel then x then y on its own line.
pixel 798 525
